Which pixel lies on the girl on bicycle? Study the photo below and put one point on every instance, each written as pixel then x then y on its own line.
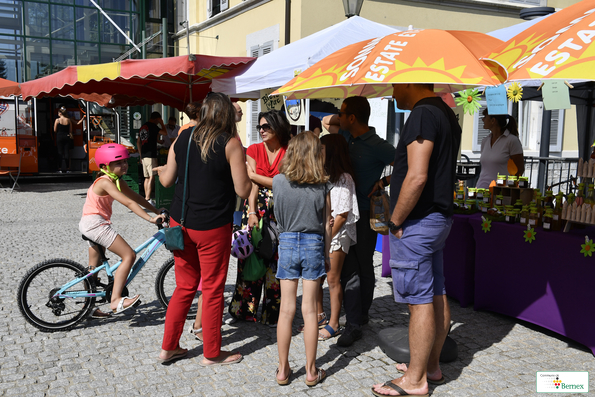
pixel 95 224
pixel 303 213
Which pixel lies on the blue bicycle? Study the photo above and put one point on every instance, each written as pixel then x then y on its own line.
pixel 57 294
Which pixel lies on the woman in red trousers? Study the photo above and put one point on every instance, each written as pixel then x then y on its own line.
pixel 216 173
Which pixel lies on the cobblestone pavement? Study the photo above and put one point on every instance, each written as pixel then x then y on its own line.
pixel 497 355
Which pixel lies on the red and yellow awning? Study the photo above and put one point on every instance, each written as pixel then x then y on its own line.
pixel 171 81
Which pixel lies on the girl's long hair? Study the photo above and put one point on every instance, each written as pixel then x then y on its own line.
pixel 337 161
pixel 217 117
pixel 303 162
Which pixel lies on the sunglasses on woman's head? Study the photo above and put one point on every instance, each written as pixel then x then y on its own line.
pixel 265 127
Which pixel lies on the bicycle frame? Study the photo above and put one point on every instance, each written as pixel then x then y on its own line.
pixel 151 245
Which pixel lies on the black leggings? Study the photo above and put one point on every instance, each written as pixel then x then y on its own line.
pixel 63 144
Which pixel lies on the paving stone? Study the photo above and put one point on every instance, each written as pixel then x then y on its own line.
pixel 497 355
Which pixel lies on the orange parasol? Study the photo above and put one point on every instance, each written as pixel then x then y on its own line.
pixel 448 58
pixel 8 88
pixel 558 47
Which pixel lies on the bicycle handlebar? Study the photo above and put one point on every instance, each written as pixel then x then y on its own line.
pixel 160 222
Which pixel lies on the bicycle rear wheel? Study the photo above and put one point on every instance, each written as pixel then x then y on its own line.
pixel 41 282
pixel 165 284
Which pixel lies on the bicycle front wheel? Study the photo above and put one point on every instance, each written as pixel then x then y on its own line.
pixel 165 285
pixel 37 288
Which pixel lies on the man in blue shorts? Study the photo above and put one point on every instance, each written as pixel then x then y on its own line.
pixel 422 187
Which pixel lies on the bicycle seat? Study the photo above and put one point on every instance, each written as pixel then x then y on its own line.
pixel 89 240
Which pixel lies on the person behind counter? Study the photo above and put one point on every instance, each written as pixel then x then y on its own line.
pixel 498 147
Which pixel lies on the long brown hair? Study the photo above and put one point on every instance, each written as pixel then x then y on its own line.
pixel 303 162
pixel 278 123
pixel 217 117
pixel 337 161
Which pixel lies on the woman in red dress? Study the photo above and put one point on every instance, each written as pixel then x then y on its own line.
pixel 263 164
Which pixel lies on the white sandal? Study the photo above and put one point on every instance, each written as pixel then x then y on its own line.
pixel 195 332
pixel 121 308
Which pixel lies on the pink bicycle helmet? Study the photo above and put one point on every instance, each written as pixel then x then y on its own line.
pixel 110 152
pixel 241 247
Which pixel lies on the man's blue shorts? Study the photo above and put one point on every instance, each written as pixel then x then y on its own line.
pixel 301 255
pixel 416 259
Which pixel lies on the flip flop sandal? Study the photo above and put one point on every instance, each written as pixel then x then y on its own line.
pixel 176 356
pixel 319 378
pixel 121 308
pixel 321 323
pixel 396 388
pixel 285 381
pixel 223 362
pixel 332 332
pixel 430 381
pixel 99 314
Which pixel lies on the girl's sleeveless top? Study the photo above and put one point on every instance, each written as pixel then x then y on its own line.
pixel 63 130
pixel 210 195
pixel 98 205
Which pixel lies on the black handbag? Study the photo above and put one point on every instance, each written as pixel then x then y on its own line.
pixel 174 236
pixel 267 247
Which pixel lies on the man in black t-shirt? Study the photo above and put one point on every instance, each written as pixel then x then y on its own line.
pixel 146 142
pixel 422 187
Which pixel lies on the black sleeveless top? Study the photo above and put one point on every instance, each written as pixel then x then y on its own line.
pixel 210 195
pixel 63 130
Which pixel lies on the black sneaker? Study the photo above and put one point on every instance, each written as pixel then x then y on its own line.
pixel 350 335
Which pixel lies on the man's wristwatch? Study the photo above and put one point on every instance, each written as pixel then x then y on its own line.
pixel 393 228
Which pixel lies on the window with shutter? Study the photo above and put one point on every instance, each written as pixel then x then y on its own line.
pixel 478 131
pixel 254 134
pixel 557 130
pixel 215 7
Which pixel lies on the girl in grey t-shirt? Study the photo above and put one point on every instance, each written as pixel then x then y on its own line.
pixel 303 212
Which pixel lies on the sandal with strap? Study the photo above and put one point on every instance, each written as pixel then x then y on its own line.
pixel 121 308
pixel 319 378
pixel 332 332
pixel 196 332
pixel 321 323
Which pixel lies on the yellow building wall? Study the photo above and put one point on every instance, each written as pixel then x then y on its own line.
pixel 310 16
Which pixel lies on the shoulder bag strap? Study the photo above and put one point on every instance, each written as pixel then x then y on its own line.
pixel 186 177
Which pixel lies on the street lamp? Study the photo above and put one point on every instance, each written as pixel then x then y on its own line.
pixel 352 7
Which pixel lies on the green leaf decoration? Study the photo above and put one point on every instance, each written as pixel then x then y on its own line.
pixel 530 235
pixel 588 247
pixel 469 98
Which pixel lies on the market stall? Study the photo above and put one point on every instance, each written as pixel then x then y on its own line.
pixel 547 281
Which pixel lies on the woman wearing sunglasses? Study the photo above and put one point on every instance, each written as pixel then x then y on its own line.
pixel 263 161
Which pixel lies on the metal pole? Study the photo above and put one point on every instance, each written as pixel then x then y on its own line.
pixel 544 147
pixel 587 141
pixel 164 55
pixel 287 22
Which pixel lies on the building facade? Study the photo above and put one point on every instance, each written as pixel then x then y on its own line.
pixel 256 27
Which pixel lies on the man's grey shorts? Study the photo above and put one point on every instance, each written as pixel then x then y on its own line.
pixel 416 259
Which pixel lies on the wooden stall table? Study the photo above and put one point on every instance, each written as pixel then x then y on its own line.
pixel 547 282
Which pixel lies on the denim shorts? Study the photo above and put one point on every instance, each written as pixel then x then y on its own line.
pixel 416 259
pixel 301 255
